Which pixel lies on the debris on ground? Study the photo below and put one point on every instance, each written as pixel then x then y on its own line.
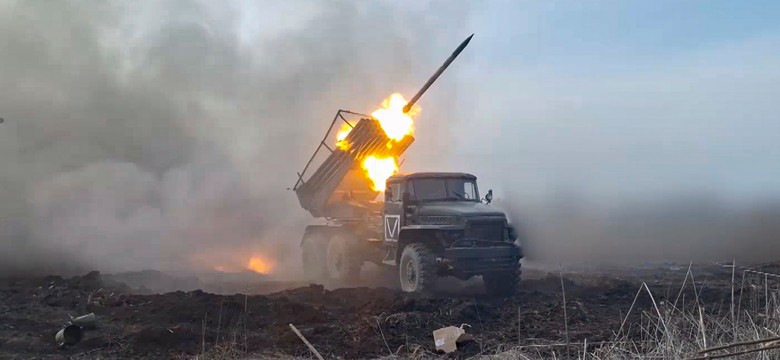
pixel 446 339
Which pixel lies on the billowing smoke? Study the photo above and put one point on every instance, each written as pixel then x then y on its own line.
pixel 700 228
pixel 163 135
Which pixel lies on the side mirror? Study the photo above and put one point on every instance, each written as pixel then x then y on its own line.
pixel 388 194
pixel 489 196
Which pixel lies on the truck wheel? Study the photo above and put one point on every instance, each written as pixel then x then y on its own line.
pixel 503 283
pixel 342 259
pixel 314 266
pixel 417 271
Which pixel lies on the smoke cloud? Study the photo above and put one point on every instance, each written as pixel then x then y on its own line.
pixel 163 135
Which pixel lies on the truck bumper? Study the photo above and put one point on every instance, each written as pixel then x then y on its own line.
pixel 479 260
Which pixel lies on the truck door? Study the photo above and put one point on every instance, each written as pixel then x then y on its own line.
pixel 393 219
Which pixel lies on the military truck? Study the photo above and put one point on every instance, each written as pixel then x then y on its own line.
pixel 429 224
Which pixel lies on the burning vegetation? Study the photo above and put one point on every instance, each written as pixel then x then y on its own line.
pixel 257 263
pixel 261 265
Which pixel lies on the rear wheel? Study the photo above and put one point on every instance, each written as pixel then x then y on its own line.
pixel 503 283
pixel 417 271
pixel 314 262
pixel 342 261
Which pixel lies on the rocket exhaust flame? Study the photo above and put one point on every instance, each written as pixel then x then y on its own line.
pixel 341 143
pixel 378 170
pixel 395 117
pixel 334 179
pixel 396 124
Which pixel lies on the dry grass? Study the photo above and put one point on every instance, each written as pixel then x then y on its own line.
pixel 735 328
pixel 746 326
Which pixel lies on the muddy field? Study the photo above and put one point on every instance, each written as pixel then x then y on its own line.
pixel 347 323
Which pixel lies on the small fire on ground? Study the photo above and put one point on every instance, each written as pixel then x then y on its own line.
pixel 396 125
pixel 261 265
pixel 257 263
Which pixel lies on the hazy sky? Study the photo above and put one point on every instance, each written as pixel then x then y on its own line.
pixel 629 98
pixel 612 99
pixel 164 134
pixel 615 99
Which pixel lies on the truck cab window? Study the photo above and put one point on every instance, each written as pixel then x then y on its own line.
pixel 429 189
pixel 469 192
pixel 444 189
pixel 395 189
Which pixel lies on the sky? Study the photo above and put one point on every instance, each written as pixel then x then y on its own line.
pixel 170 130
pixel 623 99
pixel 609 99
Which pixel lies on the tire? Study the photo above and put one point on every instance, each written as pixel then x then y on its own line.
pixel 417 269
pixel 503 283
pixel 342 258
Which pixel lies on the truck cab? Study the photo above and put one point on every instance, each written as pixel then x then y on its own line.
pixel 435 224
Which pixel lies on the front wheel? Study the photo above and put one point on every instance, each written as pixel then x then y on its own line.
pixel 417 269
pixel 502 283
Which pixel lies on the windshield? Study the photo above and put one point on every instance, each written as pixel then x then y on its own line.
pixel 455 189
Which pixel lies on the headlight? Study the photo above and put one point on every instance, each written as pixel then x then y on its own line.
pixel 438 220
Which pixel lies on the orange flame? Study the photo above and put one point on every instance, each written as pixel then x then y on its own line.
pixel 395 122
pixel 261 265
pixel 396 125
pixel 378 170
pixel 341 135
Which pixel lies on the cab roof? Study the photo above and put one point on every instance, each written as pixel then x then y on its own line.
pixel 421 175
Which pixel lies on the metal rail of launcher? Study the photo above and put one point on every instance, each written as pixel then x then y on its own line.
pixel 334 189
pixel 323 143
pixel 338 187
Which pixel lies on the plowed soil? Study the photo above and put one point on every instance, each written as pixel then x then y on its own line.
pixel 344 323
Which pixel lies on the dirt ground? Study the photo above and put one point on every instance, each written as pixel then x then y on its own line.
pixel 347 323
